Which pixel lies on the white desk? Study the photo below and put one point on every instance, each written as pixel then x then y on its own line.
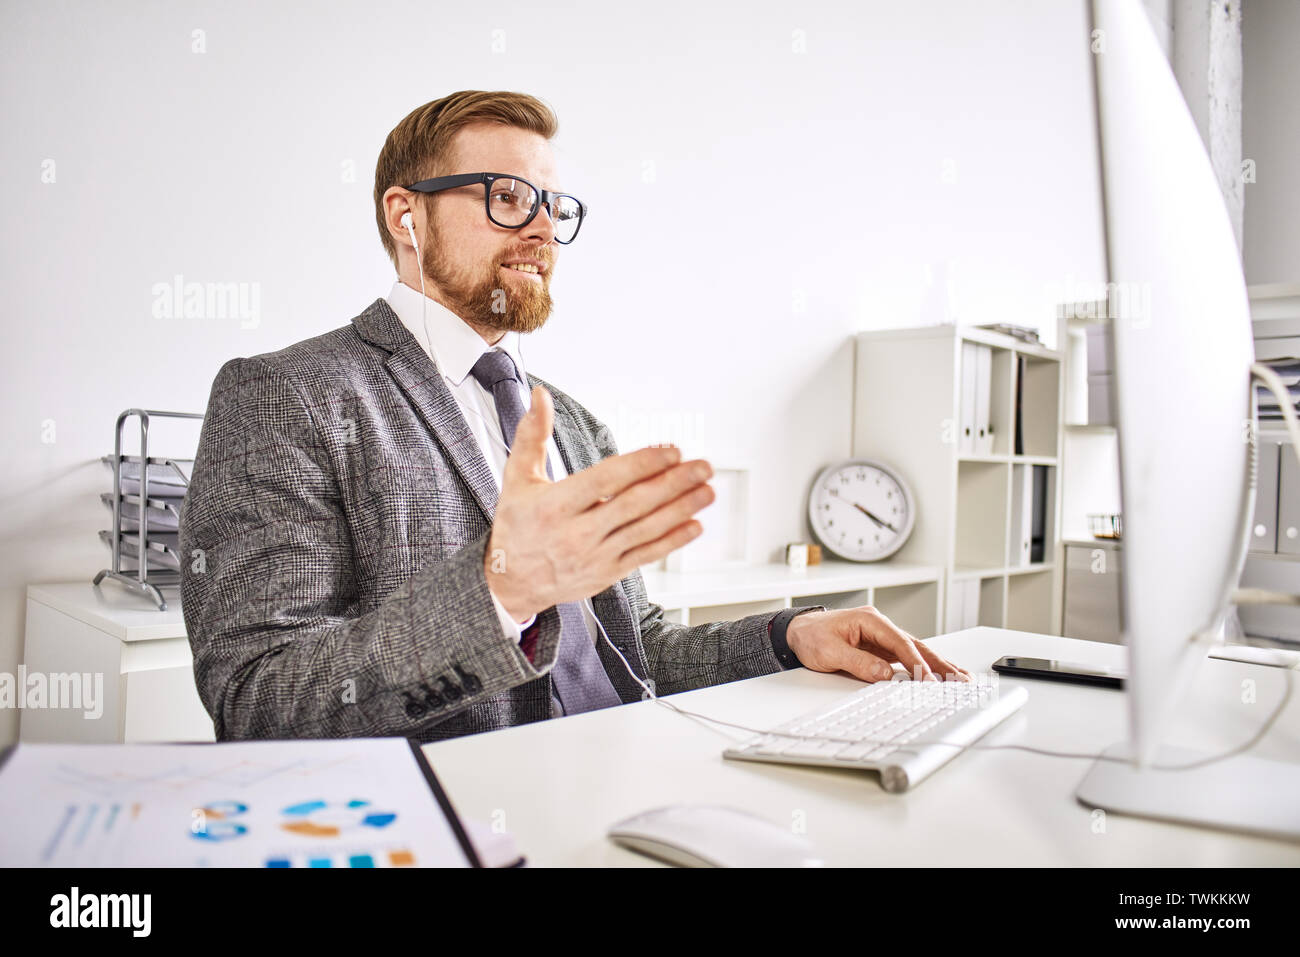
pixel 557 785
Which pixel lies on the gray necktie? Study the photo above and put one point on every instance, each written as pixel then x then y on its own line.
pixel 580 679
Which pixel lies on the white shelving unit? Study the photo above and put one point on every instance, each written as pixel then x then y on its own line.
pixel 1089 463
pixel 908 594
pixel 908 414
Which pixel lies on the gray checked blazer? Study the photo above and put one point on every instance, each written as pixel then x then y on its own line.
pixel 333 538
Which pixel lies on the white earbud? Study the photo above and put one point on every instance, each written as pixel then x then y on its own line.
pixel 409 222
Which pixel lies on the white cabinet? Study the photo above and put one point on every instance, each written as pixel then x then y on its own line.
pixel 115 669
pixel 1092 571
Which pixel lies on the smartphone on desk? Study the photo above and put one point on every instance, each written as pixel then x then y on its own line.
pixel 1051 670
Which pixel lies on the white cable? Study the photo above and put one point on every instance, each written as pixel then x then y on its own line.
pixel 419 267
pixel 428 342
pixel 1274 382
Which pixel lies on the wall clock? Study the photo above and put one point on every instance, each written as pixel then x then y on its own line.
pixel 861 510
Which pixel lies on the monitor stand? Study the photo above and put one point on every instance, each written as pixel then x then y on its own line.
pixel 1240 793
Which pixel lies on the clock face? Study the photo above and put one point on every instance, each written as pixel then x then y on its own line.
pixel 861 510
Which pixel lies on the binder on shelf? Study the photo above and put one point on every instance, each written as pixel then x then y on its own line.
pixel 1038 530
pixel 1019 447
pixel 1263 531
pixel 983 386
pixel 969 376
pixel 1022 514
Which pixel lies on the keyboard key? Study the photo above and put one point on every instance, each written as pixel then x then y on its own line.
pixel 813 749
pixel 855 752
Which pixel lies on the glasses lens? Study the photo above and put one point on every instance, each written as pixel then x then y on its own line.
pixel 510 201
pixel 566 215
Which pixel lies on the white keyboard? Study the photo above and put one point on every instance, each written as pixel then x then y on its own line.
pixel 891 726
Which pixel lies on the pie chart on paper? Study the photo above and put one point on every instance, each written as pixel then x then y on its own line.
pixel 324 819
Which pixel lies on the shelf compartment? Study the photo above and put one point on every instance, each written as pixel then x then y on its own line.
pixel 913 608
pixel 1031 485
pixel 982 491
pixel 1039 402
pixel 1002 401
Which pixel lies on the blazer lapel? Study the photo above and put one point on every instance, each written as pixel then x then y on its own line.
pixel 421 382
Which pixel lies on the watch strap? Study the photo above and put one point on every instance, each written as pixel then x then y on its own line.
pixel 776 629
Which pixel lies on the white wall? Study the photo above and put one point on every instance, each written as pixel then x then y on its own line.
pixel 754 206
pixel 1270 135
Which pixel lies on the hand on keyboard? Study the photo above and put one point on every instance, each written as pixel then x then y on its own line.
pixel 864 643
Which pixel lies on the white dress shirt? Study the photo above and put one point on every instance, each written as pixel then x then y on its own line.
pixel 454 348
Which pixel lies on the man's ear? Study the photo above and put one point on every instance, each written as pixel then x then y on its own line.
pixel 397 203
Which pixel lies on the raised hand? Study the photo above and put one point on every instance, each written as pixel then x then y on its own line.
pixel 563 541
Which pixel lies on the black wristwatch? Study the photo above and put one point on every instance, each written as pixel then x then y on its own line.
pixel 776 633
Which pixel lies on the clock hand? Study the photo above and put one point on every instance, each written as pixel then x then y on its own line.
pixel 867 512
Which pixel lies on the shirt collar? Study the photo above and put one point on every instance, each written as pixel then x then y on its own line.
pixel 450 342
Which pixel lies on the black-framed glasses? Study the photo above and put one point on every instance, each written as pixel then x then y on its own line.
pixel 512 202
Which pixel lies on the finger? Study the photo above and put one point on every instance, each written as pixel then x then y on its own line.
pixel 608 477
pixel 862 664
pixel 630 561
pixel 941 667
pixel 527 458
pixel 883 632
pixel 659 522
pixel 641 499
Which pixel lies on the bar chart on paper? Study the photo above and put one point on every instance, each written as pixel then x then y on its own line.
pixel 317 804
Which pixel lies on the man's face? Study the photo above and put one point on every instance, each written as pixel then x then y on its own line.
pixel 464 253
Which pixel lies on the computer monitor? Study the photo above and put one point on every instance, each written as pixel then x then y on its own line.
pixel 1182 355
pixel 1183 349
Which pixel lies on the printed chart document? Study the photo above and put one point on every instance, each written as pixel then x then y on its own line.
pixel 358 802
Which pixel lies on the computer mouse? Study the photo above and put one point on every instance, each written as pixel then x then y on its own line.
pixel 702 835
